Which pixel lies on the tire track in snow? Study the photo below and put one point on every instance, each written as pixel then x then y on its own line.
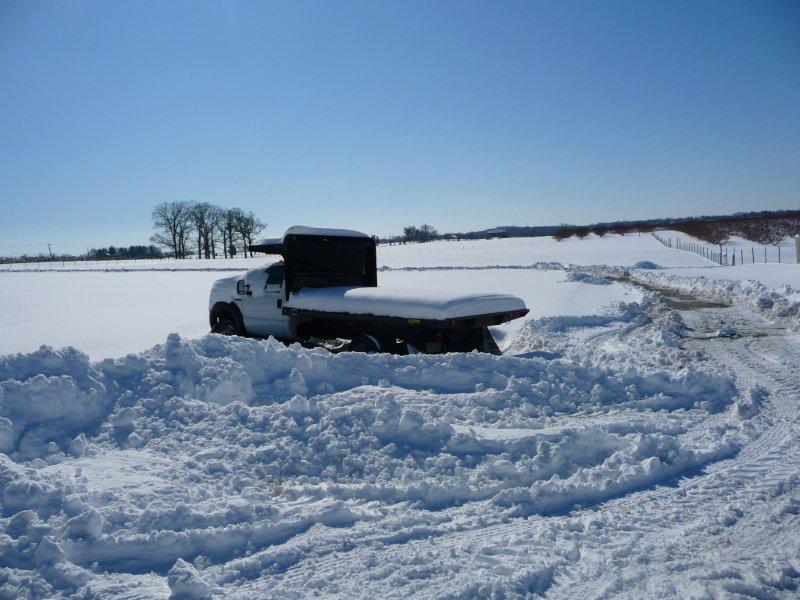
pixel 771 458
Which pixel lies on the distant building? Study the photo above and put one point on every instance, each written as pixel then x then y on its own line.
pixel 497 232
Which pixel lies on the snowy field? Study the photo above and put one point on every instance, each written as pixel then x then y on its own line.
pixel 619 447
pixel 613 250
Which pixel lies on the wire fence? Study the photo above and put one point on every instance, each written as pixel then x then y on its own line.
pixel 733 255
pixel 114 263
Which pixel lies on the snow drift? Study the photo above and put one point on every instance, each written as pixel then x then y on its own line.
pixel 195 459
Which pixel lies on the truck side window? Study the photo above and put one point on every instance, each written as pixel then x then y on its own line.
pixel 275 275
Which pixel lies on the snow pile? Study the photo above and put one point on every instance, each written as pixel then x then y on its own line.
pixel 781 304
pixel 46 398
pixel 590 278
pixel 647 460
pixel 205 462
pixel 646 264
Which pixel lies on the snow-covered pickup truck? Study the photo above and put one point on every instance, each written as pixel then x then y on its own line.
pixel 326 288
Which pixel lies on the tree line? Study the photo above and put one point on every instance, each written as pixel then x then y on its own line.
pixel 125 253
pixel 764 227
pixel 109 253
pixel 184 228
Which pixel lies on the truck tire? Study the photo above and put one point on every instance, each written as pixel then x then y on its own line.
pixel 225 327
pixel 226 320
pixel 365 343
pixel 488 344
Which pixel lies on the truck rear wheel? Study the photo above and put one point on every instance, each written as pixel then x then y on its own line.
pixel 488 344
pixel 365 343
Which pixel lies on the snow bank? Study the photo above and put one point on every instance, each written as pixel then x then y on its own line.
pixel 782 303
pixel 590 278
pixel 214 450
pixel 46 398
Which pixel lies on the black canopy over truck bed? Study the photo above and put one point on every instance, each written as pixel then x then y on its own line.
pixel 313 260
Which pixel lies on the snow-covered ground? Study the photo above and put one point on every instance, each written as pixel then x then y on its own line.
pixel 619 448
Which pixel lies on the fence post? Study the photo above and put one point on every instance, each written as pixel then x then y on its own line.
pixel 741 256
pixel 765 254
pixel 797 248
pixel 754 254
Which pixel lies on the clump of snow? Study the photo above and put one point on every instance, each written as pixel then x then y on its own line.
pixel 750 403
pixel 87 525
pixel 185 583
pixel 590 278
pixel 46 398
pixel 646 264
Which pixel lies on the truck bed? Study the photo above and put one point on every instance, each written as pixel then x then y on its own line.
pixel 401 303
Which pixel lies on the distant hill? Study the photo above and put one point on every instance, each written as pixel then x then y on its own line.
pixel 723 222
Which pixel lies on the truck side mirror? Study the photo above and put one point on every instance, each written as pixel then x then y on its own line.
pixel 240 287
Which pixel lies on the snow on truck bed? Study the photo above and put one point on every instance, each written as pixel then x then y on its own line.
pixel 407 303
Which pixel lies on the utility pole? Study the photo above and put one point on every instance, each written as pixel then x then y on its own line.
pixel 50 251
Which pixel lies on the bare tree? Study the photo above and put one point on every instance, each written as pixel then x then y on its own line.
pixel 215 234
pixel 177 223
pixel 225 223
pixel 172 222
pixel 231 219
pixel 202 216
pixel 248 226
pixel 423 233
pixel 411 233
pixel 427 233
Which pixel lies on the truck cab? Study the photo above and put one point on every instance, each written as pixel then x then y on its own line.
pixel 261 304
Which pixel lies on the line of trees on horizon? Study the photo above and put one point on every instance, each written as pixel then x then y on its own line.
pixel 764 227
pixel 134 252
pixel 423 233
pixel 185 227
pixel 125 253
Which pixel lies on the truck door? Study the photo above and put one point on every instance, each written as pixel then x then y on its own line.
pixel 262 310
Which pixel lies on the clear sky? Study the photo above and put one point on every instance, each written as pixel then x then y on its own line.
pixel 372 115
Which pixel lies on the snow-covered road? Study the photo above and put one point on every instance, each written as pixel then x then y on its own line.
pixel 624 449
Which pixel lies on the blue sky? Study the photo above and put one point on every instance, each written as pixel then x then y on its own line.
pixel 373 115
